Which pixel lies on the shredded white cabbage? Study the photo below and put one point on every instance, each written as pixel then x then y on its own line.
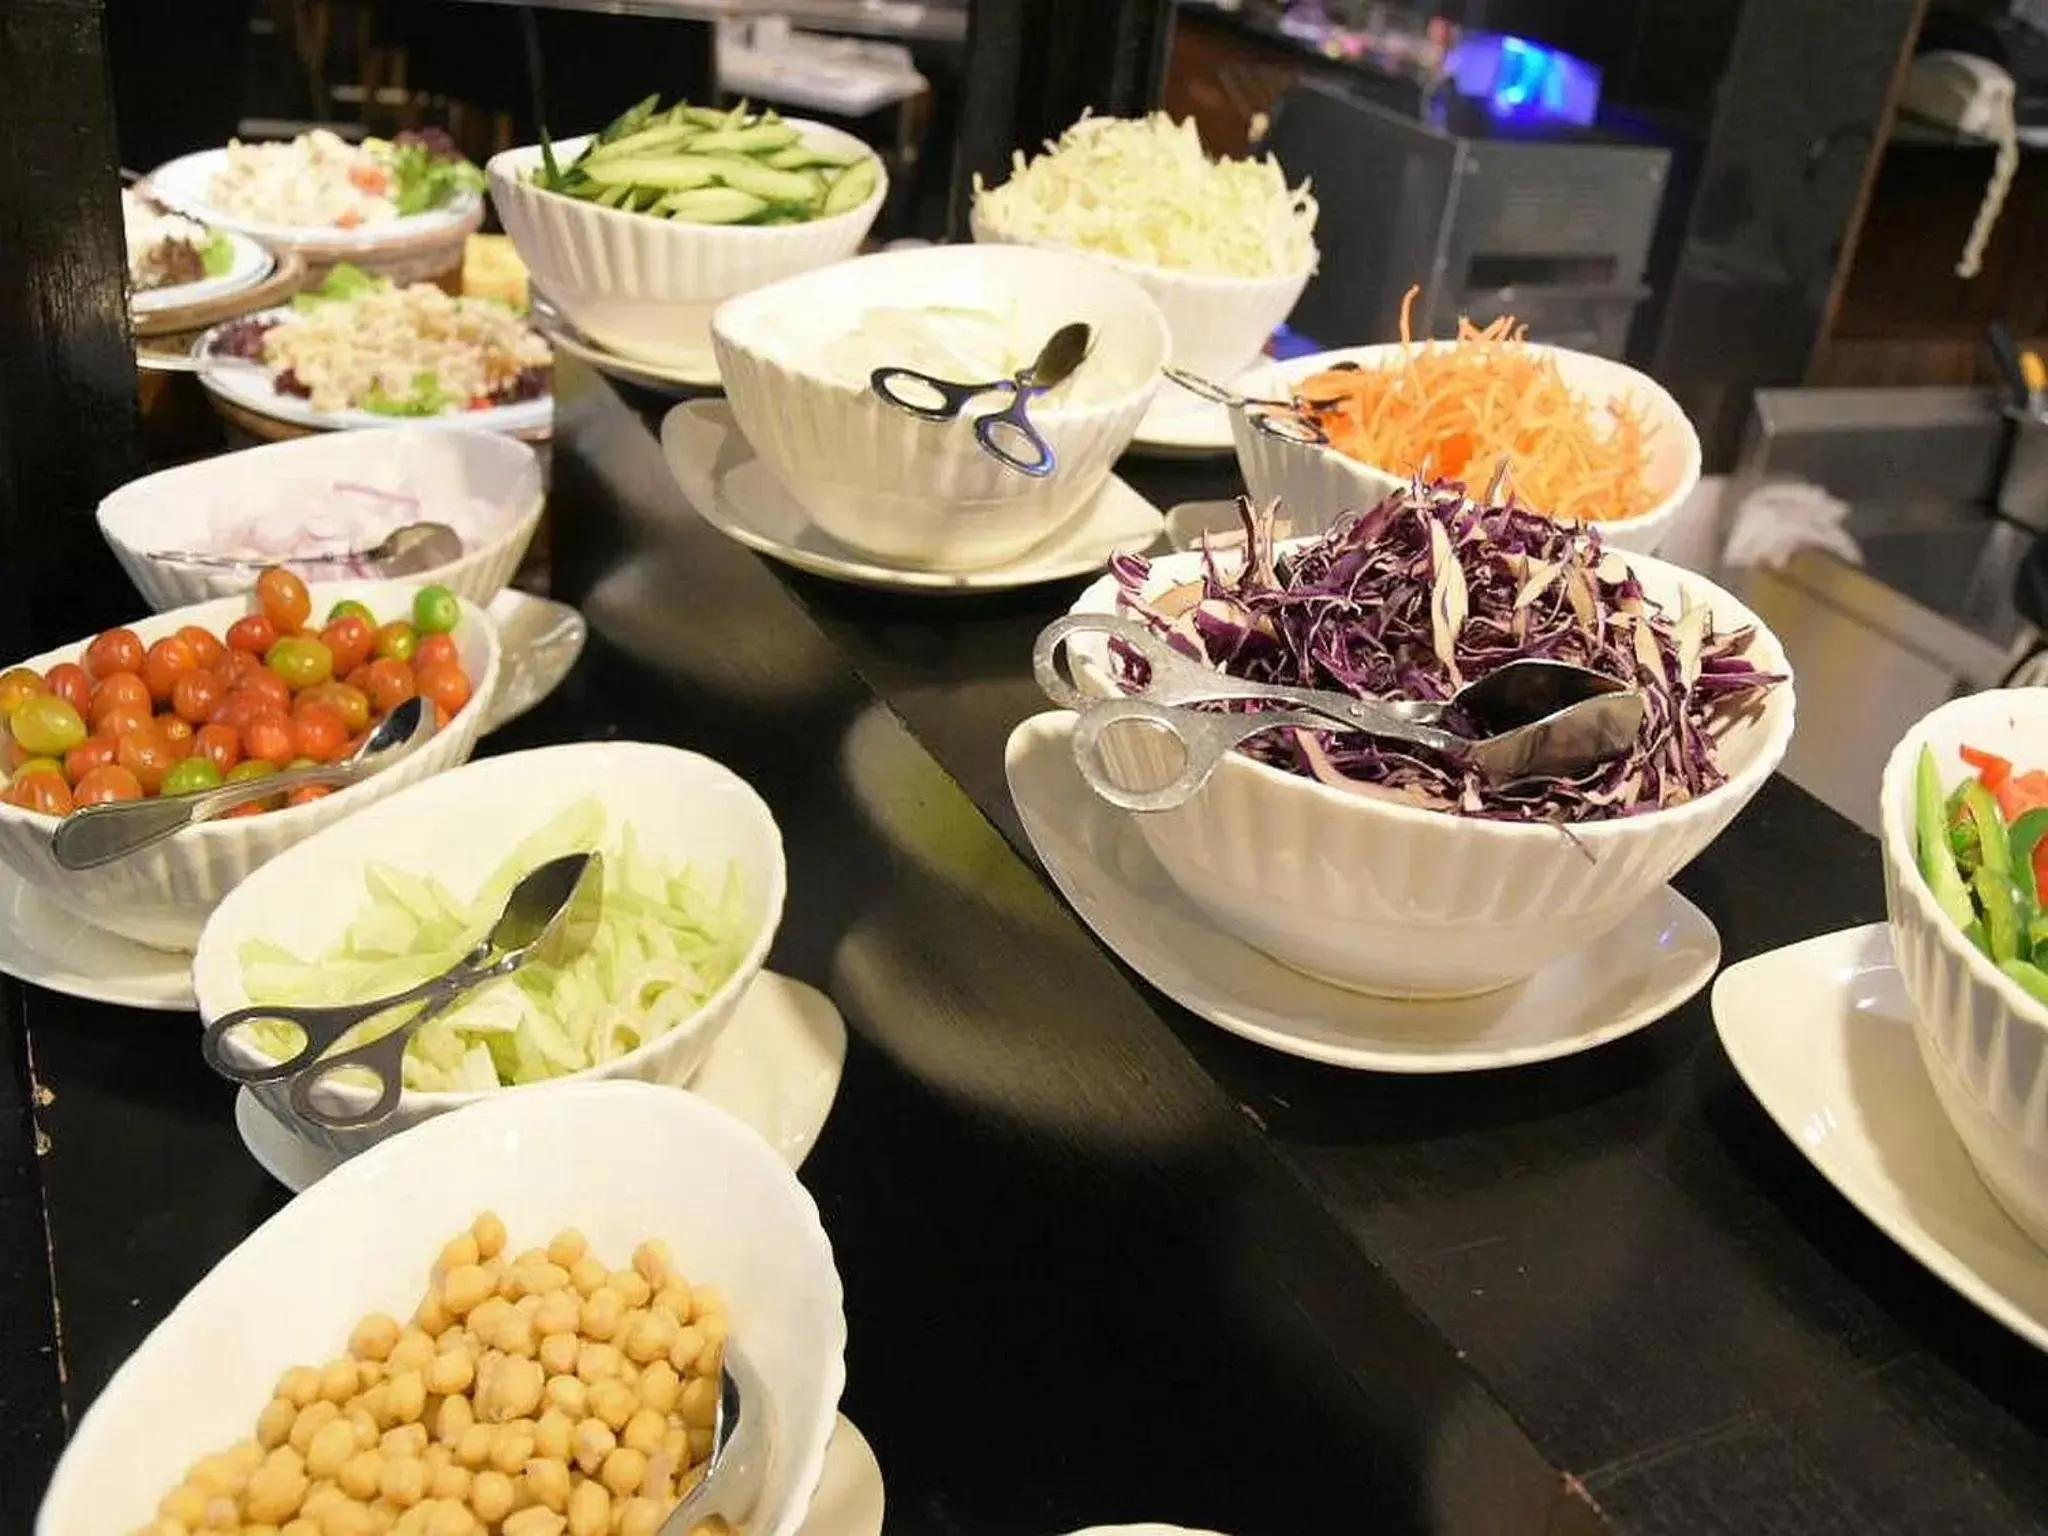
pixel 1142 189
pixel 666 941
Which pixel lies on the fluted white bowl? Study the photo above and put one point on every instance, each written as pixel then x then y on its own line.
pixel 922 493
pixel 1314 485
pixel 1983 1038
pixel 683 808
pixel 162 895
pixel 620 1162
pixel 1395 900
pixel 1219 325
pixel 645 287
pixel 174 508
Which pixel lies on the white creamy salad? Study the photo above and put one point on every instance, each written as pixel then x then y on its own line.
pixel 316 180
pixel 964 346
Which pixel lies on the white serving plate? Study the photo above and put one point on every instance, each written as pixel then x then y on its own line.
pixel 665 378
pixel 251 387
pixel 734 491
pixel 1822 1033
pixel 186 184
pixel 252 263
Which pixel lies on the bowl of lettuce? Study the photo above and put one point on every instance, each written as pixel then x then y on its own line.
pixel 693 891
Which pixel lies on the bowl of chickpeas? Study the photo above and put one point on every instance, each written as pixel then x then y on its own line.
pixel 463 1333
pixel 221 691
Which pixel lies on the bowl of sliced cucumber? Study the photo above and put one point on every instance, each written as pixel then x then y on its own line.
pixel 637 232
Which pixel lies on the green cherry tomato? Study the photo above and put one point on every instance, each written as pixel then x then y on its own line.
pixel 397 641
pixel 46 726
pixel 249 768
pixel 435 610
pixel 191 775
pixel 39 765
pixel 301 661
pixel 349 605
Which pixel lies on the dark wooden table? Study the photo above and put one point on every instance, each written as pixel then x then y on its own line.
pixel 1102 1261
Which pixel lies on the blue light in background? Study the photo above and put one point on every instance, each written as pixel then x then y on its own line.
pixel 1523 81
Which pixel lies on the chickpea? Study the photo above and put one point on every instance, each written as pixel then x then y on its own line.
pixel 275 1493
pixel 452 1372
pixel 450 1482
pixel 623 1471
pixel 473 1448
pixel 312 1418
pixel 451 1519
pixel 511 1449
pixel 698 1404
pixel 548 1482
pixel 492 1496
pixel 675 1445
pixel 659 1386
pixel 535 1520
pixel 185 1504
pixel 488 1316
pixel 590 1510
pixel 688 1345
pixel 405 1396
pixel 638 1517
pixel 464 1289
pixel 558 1351
pixel 591 1442
pixel 432 1316
pixel 363 1424
pixel 603 1310
pixel 369 1372
pixel 338 1381
pixel 360 1475
pixel 597 1362
pixel 405 1442
pixel 566 1247
pixel 710 1299
pixel 299 1385
pixel 700 1444
pixel 331 1448
pixel 672 1301
pixel 457 1252
pixel 552 1434
pixel 539 1279
pixel 489 1233
pixel 274 1423
pixel 516 1336
pixel 613 1401
pixel 300 1528
pixel 453 1420
pixel 374 1337
pixel 342 1518
pixel 587 1275
pixel 560 1311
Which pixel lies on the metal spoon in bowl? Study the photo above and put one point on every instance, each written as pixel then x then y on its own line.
pixel 1529 719
pixel 741 1439
pixel 936 399
pixel 550 917
pixel 406 550
pixel 1280 419
pixel 100 834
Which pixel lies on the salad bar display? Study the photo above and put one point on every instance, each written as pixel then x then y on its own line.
pixel 1394 778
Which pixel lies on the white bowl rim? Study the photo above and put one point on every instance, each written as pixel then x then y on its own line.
pixel 1162 335
pixel 1379 355
pixel 1739 785
pixel 744 974
pixel 1895 791
pixel 519 157
pixel 221 828
pixel 1224 280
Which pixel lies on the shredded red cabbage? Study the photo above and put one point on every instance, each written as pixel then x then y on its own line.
pixel 1430 591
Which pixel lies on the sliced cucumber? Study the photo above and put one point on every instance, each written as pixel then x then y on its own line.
pixel 632 120
pixel 760 139
pixel 769 184
pixel 647 142
pixel 712 205
pixel 669 173
pixel 852 187
pixel 802 157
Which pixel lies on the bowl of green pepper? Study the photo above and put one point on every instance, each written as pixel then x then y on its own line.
pixel 1964 809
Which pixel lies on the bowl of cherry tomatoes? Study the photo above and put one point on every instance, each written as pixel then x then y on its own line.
pixel 237 688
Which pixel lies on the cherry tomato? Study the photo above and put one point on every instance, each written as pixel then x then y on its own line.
pixel 118 690
pixel 349 605
pixel 397 641
pixel 146 754
pixel 46 726
pixel 43 791
pixel 352 704
pixel 234 712
pixel 269 738
pixel 93 752
pixel 118 650
pixel 252 633
pixel 12 755
pixel 237 667
pixel 16 684
pixel 360 678
pixel 317 732
pixel 435 610
pixel 192 775
pixel 306 794
pixel 108 782
pixel 270 688
pixel 220 745
pixel 167 661
pixel 195 696
pixel 436 651
pixel 301 661
pixel 283 599
pixel 67 680
pixel 351 639
pixel 207 651
pixel 40 765
pixel 448 687
pixel 119 722
pixel 389 685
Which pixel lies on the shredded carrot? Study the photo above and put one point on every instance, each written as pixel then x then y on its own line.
pixel 1456 410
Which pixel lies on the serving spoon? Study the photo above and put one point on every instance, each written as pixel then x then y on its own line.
pixel 934 399
pixel 100 834
pixel 406 550
pixel 1532 718
pixel 741 1438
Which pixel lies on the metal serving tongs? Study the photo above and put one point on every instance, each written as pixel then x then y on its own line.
pixel 741 1438
pixel 1281 419
pixel 1005 435
pixel 550 917
pixel 1532 718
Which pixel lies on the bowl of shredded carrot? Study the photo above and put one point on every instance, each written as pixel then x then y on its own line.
pixel 1585 439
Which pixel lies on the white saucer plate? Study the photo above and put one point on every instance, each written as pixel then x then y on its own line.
pixel 849 1500
pixel 776 1066
pixel 1661 955
pixel 539 641
pixel 738 495
pixel 251 264
pixel 1823 1035
pixel 253 389
pixel 663 378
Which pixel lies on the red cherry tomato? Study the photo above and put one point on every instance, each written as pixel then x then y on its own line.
pixel 12 753
pixel 118 690
pixel 447 686
pixel 178 735
pixel 238 666
pixel 166 661
pixel 195 696
pixel 253 633
pixel 436 651
pixel 283 599
pixel 270 739
pixel 389 684
pixel 219 744
pixel 352 704
pixel 118 650
pixel 306 794
pixel 43 791
pixel 146 753
pixel 207 650
pixel 271 690
pixel 106 783
pixel 119 722
pixel 16 684
pixel 317 732
pixel 359 679
pixel 70 683
pixel 93 752
pixel 351 639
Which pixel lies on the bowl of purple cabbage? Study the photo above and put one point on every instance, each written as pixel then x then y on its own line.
pixel 1390 869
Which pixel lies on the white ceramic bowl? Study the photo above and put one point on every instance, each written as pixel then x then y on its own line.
pixel 1395 900
pixel 645 287
pixel 922 493
pixel 162 895
pixel 1314 485
pixel 178 508
pixel 1983 1038
pixel 621 1162
pixel 1219 325
pixel 460 827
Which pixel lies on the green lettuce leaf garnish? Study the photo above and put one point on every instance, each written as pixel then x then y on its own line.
pixel 217 255
pixel 426 398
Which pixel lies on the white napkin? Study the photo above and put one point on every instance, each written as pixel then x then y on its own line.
pixel 1778 520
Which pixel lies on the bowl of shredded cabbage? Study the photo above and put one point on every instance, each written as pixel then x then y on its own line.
pixel 1224 247
pixel 1393 870
pixel 693 891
